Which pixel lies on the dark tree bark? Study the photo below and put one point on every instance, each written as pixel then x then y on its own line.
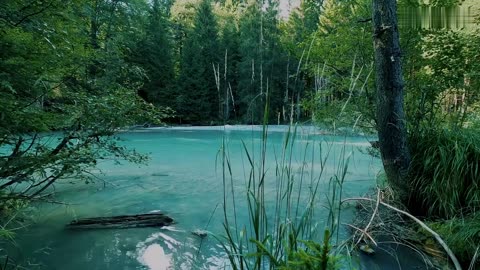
pixel 391 122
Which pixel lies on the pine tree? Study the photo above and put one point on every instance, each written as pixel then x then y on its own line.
pixel 229 69
pixel 249 82
pixel 275 61
pixel 198 94
pixel 263 63
pixel 154 54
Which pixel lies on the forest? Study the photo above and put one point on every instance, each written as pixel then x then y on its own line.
pixel 74 74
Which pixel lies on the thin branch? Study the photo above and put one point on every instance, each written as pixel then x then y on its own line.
pixel 363 233
pixel 61 145
pixel 33 14
pixel 16 150
pixel 52 180
pixel 423 225
pixel 34 138
pixel 373 216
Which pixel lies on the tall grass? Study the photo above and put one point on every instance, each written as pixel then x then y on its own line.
pixel 463 236
pixel 445 172
pixel 287 234
pixel 11 217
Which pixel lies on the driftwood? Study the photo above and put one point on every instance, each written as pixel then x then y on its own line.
pixel 122 222
pixel 437 237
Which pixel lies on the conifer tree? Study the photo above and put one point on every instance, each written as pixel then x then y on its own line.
pixel 263 63
pixel 249 83
pixel 198 94
pixel 229 69
pixel 154 54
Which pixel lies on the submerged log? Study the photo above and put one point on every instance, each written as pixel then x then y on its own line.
pixel 122 222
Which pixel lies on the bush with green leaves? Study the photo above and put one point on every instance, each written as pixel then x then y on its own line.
pixel 65 91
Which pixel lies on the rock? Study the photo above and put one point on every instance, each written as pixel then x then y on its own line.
pixel 200 233
pixel 367 249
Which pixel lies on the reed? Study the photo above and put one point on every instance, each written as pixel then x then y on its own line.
pixel 287 234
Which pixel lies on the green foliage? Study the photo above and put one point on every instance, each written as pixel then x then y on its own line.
pixel 64 84
pixel 154 54
pixel 66 88
pixel 198 99
pixel 313 256
pixel 462 235
pixel 9 206
pixel 229 42
pixel 444 172
pixel 249 67
pixel 339 58
pixel 263 65
pixel 11 219
pixel 441 78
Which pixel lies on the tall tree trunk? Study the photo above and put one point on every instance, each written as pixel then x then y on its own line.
pixel 391 122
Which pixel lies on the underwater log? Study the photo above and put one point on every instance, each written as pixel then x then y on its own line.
pixel 122 222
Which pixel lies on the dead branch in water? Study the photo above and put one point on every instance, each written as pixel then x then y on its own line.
pixel 437 237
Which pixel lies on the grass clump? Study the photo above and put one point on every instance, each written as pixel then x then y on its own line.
pixel 445 177
pixel 463 236
pixel 445 172
pixel 11 220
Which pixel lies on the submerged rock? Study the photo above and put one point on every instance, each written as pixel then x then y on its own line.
pixel 367 249
pixel 200 233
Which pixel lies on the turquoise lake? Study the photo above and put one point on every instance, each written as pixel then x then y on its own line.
pixel 184 180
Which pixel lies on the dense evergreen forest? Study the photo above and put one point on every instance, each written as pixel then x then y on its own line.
pixel 204 62
pixel 74 73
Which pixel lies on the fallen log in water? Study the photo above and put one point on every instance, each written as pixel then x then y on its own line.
pixel 122 222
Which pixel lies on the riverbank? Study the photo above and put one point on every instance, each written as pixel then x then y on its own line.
pixel 380 223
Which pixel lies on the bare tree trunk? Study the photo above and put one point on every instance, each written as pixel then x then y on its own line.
pixel 391 122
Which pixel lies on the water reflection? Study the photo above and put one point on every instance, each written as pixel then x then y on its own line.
pixel 161 251
pixel 154 258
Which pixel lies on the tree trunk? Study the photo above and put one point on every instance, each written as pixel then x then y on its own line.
pixel 391 122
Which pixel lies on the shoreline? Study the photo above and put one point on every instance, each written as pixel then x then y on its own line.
pixel 301 129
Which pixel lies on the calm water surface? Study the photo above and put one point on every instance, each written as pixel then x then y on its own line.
pixel 184 180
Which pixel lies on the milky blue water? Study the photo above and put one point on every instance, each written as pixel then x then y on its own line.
pixel 184 180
